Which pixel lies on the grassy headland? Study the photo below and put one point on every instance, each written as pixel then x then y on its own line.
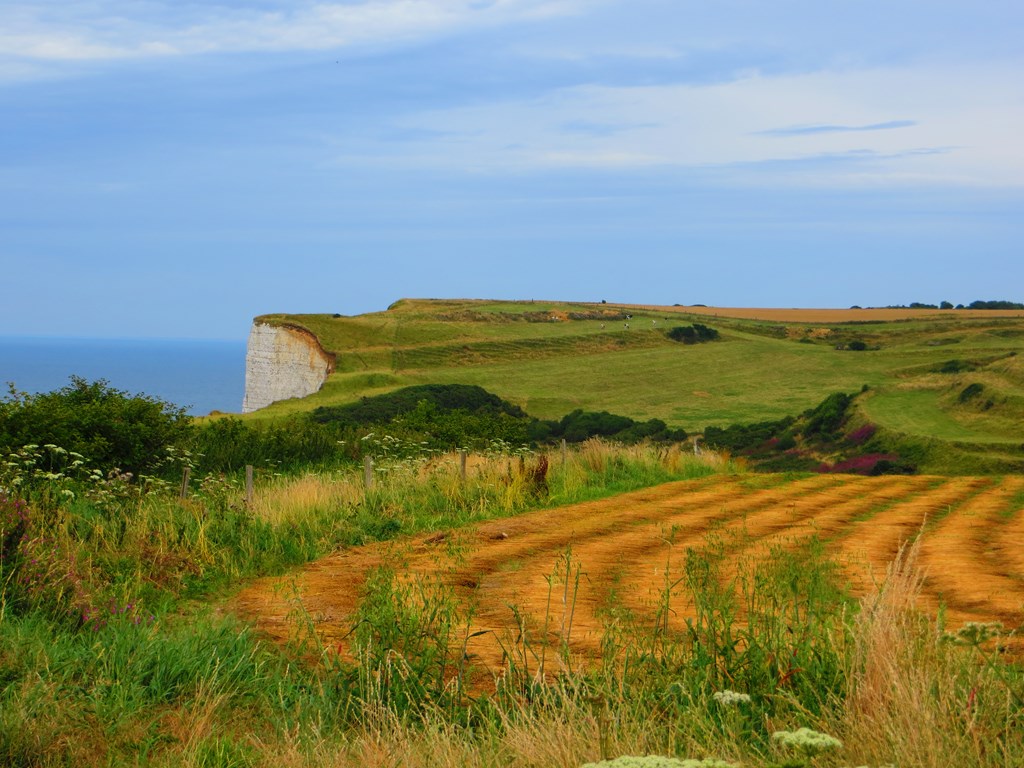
pixel 550 358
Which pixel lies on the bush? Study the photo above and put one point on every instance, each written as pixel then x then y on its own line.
pixel 955 366
pixel 581 425
pixel 692 334
pixel 870 464
pixel 110 427
pixel 861 435
pixel 458 415
pixel 745 437
pixel 228 444
pixel 970 392
pixel 857 346
pixel 383 408
pixel 828 416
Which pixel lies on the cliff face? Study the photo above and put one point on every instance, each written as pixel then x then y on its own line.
pixel 282 362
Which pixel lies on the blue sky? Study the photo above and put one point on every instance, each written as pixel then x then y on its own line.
pixel 173 168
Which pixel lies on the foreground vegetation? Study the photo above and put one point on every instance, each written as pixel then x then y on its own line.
pixel 113 649
pixel 107 651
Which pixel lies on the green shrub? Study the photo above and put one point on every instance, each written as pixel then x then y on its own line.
pixel 229 444
pixel 112 428
pixel 457 415
pixel 970 392
pixel 828 416
pixel 955 366
pixel 857 346
pixel 446 397
pixel 692 334
pixel 741 437
pixel 581 425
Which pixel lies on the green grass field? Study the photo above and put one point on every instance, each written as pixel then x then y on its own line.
pixel 553 357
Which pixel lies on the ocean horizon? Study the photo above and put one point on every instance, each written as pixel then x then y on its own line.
pixel 200 375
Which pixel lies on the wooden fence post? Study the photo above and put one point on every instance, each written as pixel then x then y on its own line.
pixel 462 465
pixel 368 472
pixel 248 485
pixel 184 481
pixel 563 451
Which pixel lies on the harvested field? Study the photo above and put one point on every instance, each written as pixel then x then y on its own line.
pixel 774 314
pixel 629 547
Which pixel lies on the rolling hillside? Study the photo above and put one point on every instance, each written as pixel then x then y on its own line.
pixel 951 377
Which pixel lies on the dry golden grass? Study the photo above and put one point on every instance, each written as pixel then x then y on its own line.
pixel 910 694
pixel 565 737
pixel 286 499
pixel 774 314
pixel 961 563
pixel 629 546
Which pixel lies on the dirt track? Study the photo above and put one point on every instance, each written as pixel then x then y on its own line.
pixel 628 546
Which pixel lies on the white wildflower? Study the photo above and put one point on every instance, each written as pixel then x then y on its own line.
pixel 806 740
pixel 975 633
pixel 657 761
pixel 729 698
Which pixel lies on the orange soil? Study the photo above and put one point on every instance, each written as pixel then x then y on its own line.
pixel 628 547
pixel 1008 545
pixel 962 565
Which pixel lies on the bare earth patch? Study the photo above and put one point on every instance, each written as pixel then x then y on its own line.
pixel 628 547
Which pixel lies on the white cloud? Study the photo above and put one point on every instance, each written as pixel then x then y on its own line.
pixel 111 29
pixel 958 126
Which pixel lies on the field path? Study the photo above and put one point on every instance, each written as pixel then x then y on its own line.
pixel 625 549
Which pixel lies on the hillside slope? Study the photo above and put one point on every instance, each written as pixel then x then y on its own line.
pixel 550 358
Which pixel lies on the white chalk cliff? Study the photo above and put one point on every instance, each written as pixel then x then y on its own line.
pixel 282 362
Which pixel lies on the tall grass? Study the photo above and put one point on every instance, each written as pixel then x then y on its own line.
pixel 109 654
pixel 99 654
pixel 776 631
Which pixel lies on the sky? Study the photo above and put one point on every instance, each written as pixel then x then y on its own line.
pixel 173 168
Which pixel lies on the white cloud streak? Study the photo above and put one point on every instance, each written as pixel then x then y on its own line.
pixel 957 126
pixel 119 29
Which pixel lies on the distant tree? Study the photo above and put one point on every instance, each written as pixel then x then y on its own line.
pixel 945 305
pixel 995 305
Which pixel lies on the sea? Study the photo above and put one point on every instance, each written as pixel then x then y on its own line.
pixel 198 375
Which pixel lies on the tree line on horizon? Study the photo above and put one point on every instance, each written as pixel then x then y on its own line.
pixel 995 304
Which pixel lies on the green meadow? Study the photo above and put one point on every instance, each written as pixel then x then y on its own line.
pixel 550 358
